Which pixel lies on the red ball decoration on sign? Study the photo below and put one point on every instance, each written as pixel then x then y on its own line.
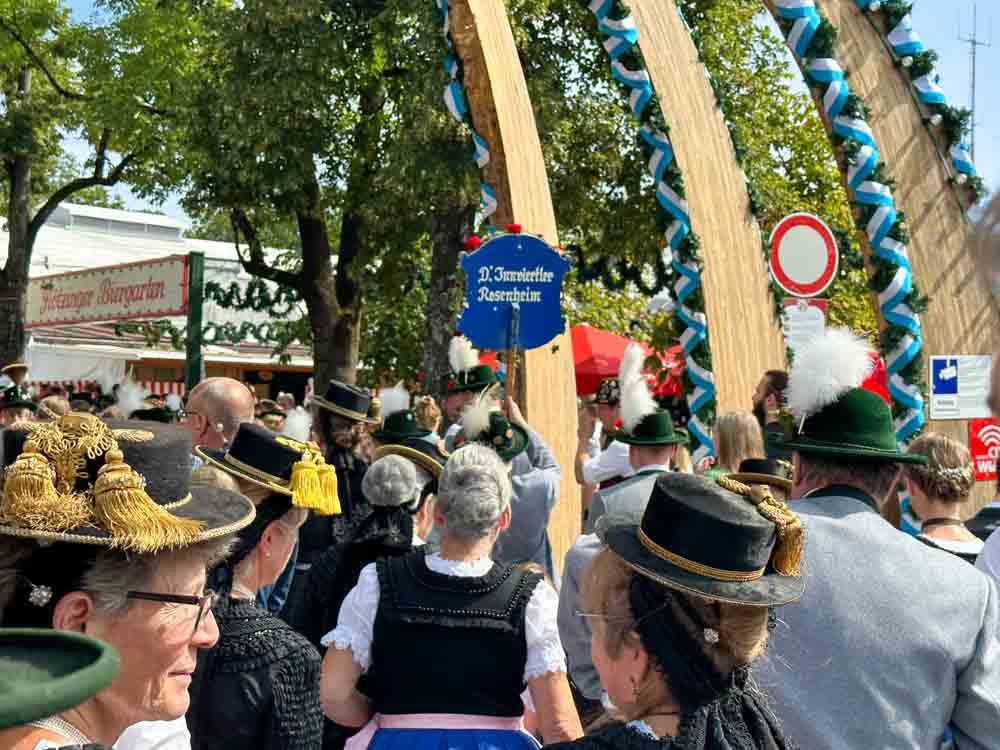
pixel 514 228
pixel 473 243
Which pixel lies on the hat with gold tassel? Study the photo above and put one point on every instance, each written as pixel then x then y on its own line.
pixel 723 541
pixel 280 464
pixel 116 484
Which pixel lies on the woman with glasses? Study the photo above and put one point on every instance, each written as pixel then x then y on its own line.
pixel 680 607
pixel 448 638
pixel 258 689
pixel 104 535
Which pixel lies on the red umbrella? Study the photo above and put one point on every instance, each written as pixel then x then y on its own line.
pixel 598 355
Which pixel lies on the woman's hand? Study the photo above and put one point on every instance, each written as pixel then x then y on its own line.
pixel 341 702
pixel 556 713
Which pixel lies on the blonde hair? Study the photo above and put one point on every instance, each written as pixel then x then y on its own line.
pixel 682 460
pixel 948 475
pixel 737 437
pixel 427 412
pixel 742 629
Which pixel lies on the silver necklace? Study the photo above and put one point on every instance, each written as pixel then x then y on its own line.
pixel 61 726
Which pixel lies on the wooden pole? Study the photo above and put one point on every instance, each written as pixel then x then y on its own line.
pixel 502 112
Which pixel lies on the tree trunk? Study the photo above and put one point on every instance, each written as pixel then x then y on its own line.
pixel 449 228
pixel 14 276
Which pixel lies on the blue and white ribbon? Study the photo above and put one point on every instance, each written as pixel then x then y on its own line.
pixel 866 191
pixel 905 42
pixel 620 36
pixel 455 101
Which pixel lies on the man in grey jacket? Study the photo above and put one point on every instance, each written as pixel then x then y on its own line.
pixel 894 644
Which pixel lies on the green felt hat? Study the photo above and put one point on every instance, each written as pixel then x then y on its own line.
pixel 506 438
pixel 400 426
pixel 473 379
pixel 653 429
pixel 856 425
pixel 16 397
pixel 44 672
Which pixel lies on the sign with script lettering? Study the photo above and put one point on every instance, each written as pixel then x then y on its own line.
pixel 513 290
pixel 149 289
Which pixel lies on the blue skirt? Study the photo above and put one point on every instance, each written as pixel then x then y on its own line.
pixel 452 739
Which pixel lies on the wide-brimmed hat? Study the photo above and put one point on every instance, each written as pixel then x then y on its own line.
pixel 44 672
pixel 608 392
pixel 642 421
pixel 13 366
pixel 832 414
pixel 764 471
pixel 467 374
pixel 348 401
pixel 483 422
pixel 122 484
pixel 721 540
pixel 427 454
pixel 280 464
pixel 16 397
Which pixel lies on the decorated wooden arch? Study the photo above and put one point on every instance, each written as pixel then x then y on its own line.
pixel 891 116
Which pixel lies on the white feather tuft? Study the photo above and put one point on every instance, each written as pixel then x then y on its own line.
pixel 393 399
pixel 131 396
pixel 826 368
pixel 476 415
pixel 636 400
pixel 298 424
pixel 174 402
pixel 461 355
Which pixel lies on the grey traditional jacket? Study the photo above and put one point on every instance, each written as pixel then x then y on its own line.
pixel 892 643
pixel 574 631
pixel 629 496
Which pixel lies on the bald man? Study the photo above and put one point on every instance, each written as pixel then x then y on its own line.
pixel 215 408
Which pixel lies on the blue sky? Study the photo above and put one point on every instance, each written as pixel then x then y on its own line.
pixel 938 24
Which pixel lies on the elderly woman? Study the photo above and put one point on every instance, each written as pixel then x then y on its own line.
pixel 259 688
pixel 448 639
pixel 939 494
pixel 107 537
pixel 676 623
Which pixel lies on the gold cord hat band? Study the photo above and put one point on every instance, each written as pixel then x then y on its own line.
pixel 698 568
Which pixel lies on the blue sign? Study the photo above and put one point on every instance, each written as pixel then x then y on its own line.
pixel 513 291
pixel 944 376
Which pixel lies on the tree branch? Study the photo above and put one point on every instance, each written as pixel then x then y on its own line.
pixel 39 63
pixel 74 186
pixel 256 264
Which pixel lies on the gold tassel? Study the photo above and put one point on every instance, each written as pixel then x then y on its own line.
pixel 305 485
pixel 328 486
pixel 133 518
pixel 786 557
pixel 30 499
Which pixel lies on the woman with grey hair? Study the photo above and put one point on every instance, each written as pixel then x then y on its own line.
pixel 105 535
pixel 484 631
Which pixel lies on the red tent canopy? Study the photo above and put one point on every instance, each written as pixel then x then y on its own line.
pixel 598 355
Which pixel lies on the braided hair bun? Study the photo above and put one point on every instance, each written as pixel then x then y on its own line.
pixel 948 475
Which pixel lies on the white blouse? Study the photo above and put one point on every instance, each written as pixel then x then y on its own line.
pixel 356 622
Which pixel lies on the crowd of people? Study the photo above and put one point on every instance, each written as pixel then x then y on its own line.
pixel 375 571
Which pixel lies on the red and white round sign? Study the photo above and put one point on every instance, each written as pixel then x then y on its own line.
pixel 804 257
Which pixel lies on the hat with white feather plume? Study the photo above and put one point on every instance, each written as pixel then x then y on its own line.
pixel 643 422
pixel 398 420
pixel 467 374
pixel 484 422
pixel 833 414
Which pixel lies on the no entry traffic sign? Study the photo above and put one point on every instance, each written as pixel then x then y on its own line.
pixel 803 256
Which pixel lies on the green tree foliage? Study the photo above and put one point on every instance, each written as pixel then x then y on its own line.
pixel 109 82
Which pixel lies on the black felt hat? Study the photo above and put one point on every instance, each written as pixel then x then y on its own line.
pixel 280 464
pixel 16 397
pixel 44 672
pixel 348 401
pixel 764 471
pixel 163 415
pixel 428 454
pixel 700 537
pixel 400 426
pixel 123 484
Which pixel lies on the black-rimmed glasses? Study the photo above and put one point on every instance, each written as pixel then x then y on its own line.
pixel 204 603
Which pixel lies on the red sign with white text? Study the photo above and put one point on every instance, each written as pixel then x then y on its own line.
pixel 984 445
